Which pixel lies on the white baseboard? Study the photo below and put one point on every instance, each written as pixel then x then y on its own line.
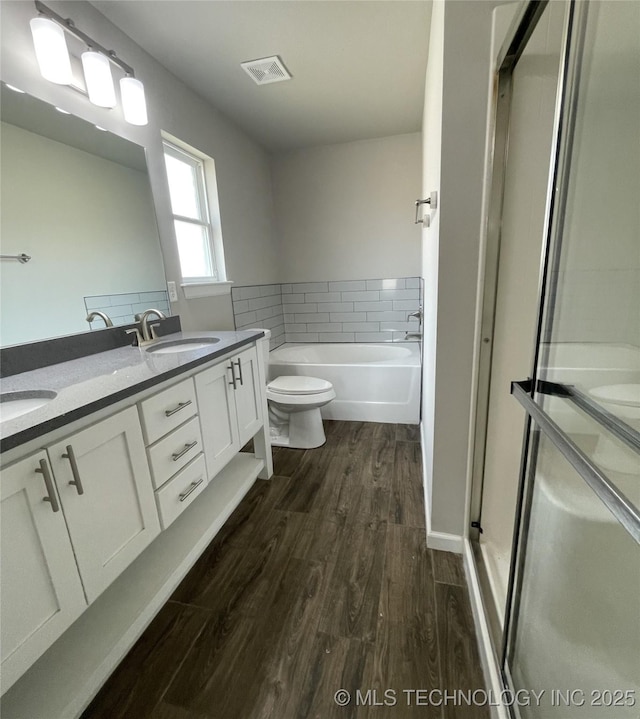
pixel 490 666
pixel 436 540
pixel 445 542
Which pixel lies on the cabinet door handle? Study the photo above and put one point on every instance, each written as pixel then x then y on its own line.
pixel 48 483
pixel 233 376
pixel 76 481
pixel 181 405
pixel 176 455
pixel 239 371
pixel 192 488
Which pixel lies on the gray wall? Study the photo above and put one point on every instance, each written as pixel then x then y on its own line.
pixel 451 248
pixel 344 212
pixel 242 166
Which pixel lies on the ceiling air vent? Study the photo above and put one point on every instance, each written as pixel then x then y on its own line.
pixel 266 70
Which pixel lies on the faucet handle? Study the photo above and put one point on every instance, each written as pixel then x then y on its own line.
pixel 417 314
pixel 138 337
pixel 154 334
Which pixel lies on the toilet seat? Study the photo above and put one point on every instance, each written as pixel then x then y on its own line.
pixel 299 385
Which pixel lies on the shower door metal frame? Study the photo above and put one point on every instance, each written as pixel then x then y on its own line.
pixel 627 514
pixel 520 31
pixel 536 418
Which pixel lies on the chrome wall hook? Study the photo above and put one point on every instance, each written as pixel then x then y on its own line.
pixel 432 201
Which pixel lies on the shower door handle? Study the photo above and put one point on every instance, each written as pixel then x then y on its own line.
pixel 622 509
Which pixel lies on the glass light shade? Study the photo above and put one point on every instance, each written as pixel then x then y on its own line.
pixel 134 105
pixel 51 50
pixel 97 75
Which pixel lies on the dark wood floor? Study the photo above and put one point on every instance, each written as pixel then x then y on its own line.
pixel 320 581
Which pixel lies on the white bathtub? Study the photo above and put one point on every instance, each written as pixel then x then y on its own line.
pixel 373 382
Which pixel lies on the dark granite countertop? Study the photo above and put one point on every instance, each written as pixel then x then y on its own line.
pixel 91 383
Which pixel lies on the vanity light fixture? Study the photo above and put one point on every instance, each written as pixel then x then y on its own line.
pixel 134 105
pixel 51 50
pixel 97 75
pixel 48 32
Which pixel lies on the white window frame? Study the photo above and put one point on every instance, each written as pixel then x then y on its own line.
pixel 215 283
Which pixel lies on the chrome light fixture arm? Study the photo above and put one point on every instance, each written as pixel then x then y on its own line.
pixel 68 25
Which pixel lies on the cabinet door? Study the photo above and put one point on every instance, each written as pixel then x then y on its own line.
pixel 248 394
pixel 107 497
pixel 41 593
pixel 218 418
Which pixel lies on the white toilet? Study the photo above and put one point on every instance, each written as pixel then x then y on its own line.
pixel 294 408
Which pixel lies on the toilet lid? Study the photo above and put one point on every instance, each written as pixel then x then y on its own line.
pixel 299 385
pixel 624 394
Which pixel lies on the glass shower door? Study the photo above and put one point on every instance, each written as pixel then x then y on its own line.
pixel 573 613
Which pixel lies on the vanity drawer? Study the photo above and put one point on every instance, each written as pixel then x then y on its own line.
pixel 171 453
pixel 168 409
pixel 176 495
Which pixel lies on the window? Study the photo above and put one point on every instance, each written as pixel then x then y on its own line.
pixel 200 251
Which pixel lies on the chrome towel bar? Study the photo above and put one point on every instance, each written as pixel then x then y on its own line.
pixel 22 259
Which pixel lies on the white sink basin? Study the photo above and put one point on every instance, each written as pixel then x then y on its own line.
pixel 183 345
pixel 15 404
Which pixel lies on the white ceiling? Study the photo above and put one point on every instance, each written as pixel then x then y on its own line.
pixel 358 66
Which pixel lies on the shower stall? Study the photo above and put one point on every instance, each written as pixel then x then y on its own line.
pixel 556 477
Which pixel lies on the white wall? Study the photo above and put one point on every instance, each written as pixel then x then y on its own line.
pixel 432 156
pixel 451 248
pixel 242 166
pixel 117 250
pixel 346 211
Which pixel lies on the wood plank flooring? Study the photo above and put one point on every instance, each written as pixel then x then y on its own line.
pixel 320 581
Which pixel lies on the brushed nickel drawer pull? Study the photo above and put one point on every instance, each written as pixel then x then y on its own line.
pixel 76 481
pixel 192 488
pixel 176 455
pixel 181 405
pixel 233 376
pixel 48 483
pixel 239 371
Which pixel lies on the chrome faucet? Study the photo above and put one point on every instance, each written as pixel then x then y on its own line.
pixel 145 333
pixel 149 331
pixel 93 315
pixel 418 316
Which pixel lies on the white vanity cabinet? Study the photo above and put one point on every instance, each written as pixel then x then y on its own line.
pixel 230 407
pixel 248 394
pixel 84 565
pixel 107 497
pixel 175 458
pixel 40 589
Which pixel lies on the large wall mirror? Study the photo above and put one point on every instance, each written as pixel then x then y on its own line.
pixel 77 200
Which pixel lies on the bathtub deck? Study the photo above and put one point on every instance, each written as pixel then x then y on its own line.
pixel 319 581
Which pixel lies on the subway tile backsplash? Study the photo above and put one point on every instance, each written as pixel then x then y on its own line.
pixel 372 310
pixel 259 306
pixel 122 308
